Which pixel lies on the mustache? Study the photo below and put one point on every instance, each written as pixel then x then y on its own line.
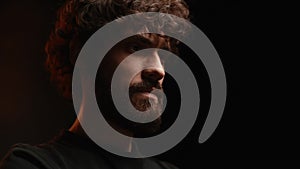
pixel 144 86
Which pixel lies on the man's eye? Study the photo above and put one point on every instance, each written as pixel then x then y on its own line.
pixel 134 48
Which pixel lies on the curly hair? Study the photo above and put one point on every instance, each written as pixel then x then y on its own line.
pixel 77 20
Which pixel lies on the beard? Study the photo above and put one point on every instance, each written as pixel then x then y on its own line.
pixel 146 107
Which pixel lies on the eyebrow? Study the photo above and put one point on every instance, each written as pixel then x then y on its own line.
pixel 147 42
pixel 142 39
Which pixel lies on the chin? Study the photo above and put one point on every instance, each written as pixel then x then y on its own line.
pixel 140 130
pixel 152 128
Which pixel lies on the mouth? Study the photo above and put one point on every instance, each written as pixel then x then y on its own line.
pixel 145 89
pixel 144 96
pixel 147 95
pixel 143 100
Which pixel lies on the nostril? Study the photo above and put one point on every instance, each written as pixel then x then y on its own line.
pixel 152 74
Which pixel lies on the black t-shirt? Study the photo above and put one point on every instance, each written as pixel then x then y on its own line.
pixel 70 151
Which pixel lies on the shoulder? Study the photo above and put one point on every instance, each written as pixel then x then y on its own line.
pixel 167 165
pixel 155 163
pixel 26 156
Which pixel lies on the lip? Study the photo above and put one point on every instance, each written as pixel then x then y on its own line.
pixel 146 90
pixel 147 95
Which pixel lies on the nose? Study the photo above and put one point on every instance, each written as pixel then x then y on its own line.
pixel 156 72
pixel 153 74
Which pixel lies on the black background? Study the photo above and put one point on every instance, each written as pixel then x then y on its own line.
pixel 31 110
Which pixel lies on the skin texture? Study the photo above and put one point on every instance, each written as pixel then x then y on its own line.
pixel 140 85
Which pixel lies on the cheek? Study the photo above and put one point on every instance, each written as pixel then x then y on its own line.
pixel 110 63
pixel 131 71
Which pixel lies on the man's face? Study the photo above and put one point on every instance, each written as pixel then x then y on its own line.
pixel 140 86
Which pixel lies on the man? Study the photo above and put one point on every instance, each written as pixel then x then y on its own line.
pixel 77 21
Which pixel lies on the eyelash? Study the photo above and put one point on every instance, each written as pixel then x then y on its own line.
pixel 134 48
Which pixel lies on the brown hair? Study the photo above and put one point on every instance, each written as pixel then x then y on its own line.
pixel 77 20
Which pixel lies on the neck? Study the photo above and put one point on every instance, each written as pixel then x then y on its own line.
pixel 107 138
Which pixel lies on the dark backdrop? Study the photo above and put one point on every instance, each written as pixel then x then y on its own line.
pixel 31 111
